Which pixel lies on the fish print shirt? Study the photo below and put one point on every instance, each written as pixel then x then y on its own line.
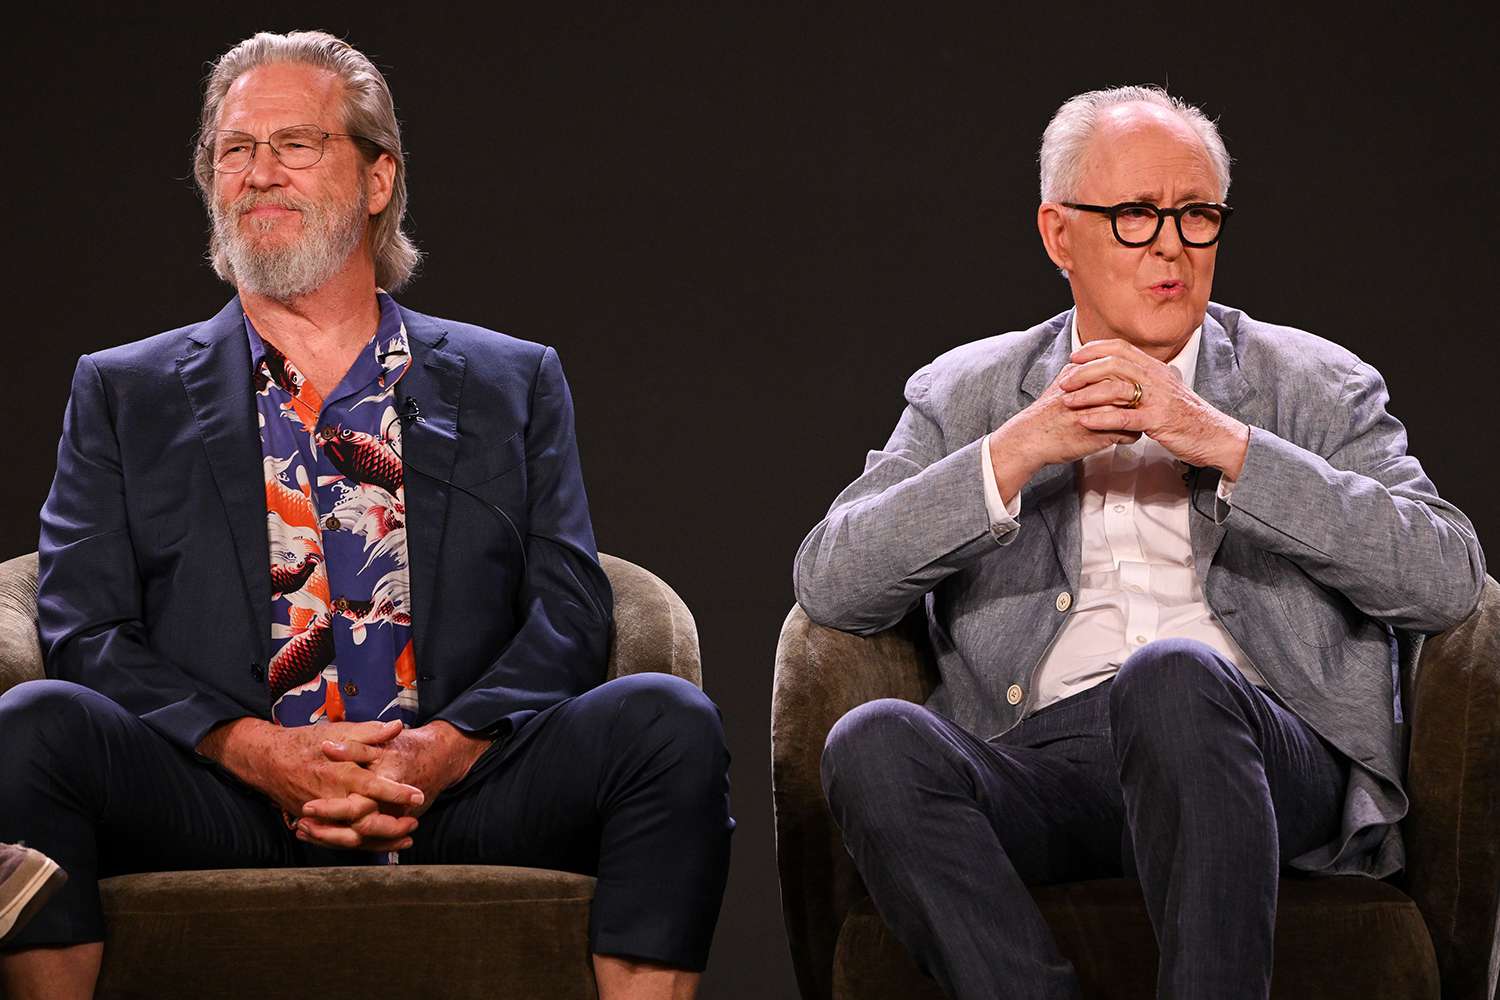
pixel 336 522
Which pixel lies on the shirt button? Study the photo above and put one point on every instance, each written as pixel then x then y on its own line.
pixel 1119 508
pixel 1140 638
pixel 1134 588
pixel 1064 601
pixel 350 689
pixel 332 524
pixel 1014 694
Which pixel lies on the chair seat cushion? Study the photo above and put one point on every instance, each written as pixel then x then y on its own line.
pixel 1336 937
pixel 418 930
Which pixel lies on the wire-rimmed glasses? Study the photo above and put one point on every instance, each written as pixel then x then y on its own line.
pixel 296 146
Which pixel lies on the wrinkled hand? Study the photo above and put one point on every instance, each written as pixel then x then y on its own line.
pixel 1103 379
pixel 1048 432
pixel 289 765
pixel 430 758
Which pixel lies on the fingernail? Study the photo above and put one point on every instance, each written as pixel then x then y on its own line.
pixel 417 798
pixel 336 746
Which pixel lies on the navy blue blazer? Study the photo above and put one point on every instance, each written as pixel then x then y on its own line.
pixel 155 585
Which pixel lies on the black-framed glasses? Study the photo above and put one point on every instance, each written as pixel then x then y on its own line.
pixel 1138 223
pixel 296 146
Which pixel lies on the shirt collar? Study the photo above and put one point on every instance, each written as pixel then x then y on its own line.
pixel 1185 361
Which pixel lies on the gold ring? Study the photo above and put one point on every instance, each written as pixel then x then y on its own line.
pixel 1136 399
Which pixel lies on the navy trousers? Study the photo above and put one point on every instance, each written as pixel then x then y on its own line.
pixel 1177 770
pixel 628 782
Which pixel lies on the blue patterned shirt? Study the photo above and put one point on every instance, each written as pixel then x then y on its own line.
pixel 336 524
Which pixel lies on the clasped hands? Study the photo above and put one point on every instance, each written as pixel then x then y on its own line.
pixel 1086 409
pixel 353 785
pixel 409 767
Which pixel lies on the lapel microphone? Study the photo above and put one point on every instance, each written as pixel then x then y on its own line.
pixel 411 413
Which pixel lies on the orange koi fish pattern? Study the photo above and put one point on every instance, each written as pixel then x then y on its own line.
pixel 336 524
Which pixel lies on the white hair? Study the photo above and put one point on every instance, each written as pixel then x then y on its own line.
pixel 368 113
pixel 1065 143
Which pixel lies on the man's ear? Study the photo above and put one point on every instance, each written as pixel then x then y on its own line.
pixel 381 178
pixel 1053 225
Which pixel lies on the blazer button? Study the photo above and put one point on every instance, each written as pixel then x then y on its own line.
pixel 1014 694
pixel 1064 601
pixel 255 672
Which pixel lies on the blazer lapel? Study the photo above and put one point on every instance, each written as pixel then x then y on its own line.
pixel 1221 383
pixel 215 371
pixel 433 388
pixel 1053 492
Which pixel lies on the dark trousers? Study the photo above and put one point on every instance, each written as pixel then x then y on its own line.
pixel 628 782
pixel 1177 770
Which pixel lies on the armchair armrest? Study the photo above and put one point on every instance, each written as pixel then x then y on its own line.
pixel 653 630
pixel 20 650
pixel 1453 830
pixel 821 674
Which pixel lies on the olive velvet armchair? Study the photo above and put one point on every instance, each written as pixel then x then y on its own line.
pixel 454 931
pixel 1430 932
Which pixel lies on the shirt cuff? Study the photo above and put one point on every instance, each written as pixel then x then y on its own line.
pixel 1002 515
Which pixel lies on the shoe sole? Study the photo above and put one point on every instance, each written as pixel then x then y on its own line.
pixel 27 890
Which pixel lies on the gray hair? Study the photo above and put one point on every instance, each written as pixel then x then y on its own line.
pixel 368 112
pixel 1065 143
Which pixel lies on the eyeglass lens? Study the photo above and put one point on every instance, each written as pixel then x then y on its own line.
pixel 1196 224
pixel 296 147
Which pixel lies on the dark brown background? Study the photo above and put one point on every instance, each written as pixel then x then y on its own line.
pixel 743 227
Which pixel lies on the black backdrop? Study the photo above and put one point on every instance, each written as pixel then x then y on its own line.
pixel 743 227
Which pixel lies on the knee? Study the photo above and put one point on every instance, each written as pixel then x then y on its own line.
pixel 1165 676
pixel 40 719
pixel 870 744
pixel 678 710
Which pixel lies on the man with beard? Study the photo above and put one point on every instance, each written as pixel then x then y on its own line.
pixel 224 562
pixel 1170 557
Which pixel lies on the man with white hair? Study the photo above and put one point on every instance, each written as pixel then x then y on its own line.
pixel 249 666
pixel 1157 542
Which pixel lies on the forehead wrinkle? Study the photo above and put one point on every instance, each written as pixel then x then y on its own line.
pixel 1148 175
pixel 1154 196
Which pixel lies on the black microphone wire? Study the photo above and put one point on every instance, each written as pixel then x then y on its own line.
pixel 413 414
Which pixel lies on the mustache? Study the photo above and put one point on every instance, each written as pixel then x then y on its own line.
pixel 251 200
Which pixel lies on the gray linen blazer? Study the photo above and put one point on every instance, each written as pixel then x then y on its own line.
pixel 1333 556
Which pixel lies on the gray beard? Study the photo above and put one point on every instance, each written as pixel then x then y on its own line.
pixel 331 232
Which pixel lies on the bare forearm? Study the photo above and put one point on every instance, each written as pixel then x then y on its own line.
pixel 1013 468
pixel 453 751
pixel 1231 443
pixel 238 747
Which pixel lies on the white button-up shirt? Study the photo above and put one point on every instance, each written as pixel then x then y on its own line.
pixel 1136 580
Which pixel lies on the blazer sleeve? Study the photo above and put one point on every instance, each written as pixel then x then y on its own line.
pixel 89 596
pixel 916 515
pixel 566 604
pixel 1359 515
